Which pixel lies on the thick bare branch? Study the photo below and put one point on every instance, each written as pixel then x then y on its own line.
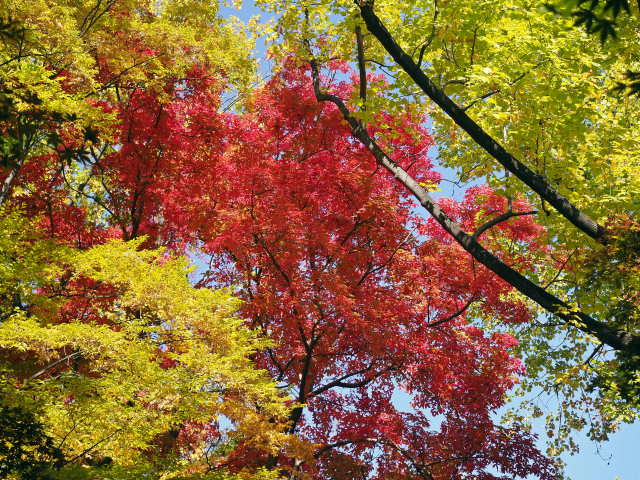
pixel 482 138
pixel 361 64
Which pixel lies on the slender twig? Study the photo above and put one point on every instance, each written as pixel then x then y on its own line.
pixel 452 82
pixel 455 315
pixel 383 265
pixel 564 264
pixel 54 364
pixel 500 218
pixel 92 447
pixel 593 354
pixel 479 99
pixel 433 33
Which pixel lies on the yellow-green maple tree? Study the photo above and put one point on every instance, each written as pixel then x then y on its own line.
pixel 119 361
pixel 117 380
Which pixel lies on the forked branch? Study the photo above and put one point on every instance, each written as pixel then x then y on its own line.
pixel 454 315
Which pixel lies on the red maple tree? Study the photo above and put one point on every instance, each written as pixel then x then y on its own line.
pixel 362 297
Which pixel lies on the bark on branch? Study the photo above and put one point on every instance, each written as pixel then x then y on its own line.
pixel 6 185
pixel 361 65
pixel 482 138
pixel 74 355
pixel 454 315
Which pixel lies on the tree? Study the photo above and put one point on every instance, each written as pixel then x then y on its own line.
pixel 176 171
pixel 331 262
pixel 527 90
pixel 64 65
pixel 112 358
pixel 357 292
pixel 330 272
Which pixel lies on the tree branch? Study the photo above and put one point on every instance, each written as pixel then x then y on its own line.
pixel 361 66
pixel 54 364
pixel 372 269
pixel 92 447
pixel 493 92
pixel 455 315
pixel 499 219
pixel 479 99
pixel 6 185
pixel 482 138
pixel 339 382
pixel 342 443
pixel 433 33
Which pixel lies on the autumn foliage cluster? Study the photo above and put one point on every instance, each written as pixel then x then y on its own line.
pixel 321 304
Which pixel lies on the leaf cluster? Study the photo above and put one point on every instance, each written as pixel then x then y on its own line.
pixel 107 386
pixel 26 451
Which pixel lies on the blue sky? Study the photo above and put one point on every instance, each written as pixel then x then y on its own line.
pixel 620 457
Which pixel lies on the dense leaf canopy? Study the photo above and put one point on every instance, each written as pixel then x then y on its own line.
pixel 516 91
pixel 134 138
